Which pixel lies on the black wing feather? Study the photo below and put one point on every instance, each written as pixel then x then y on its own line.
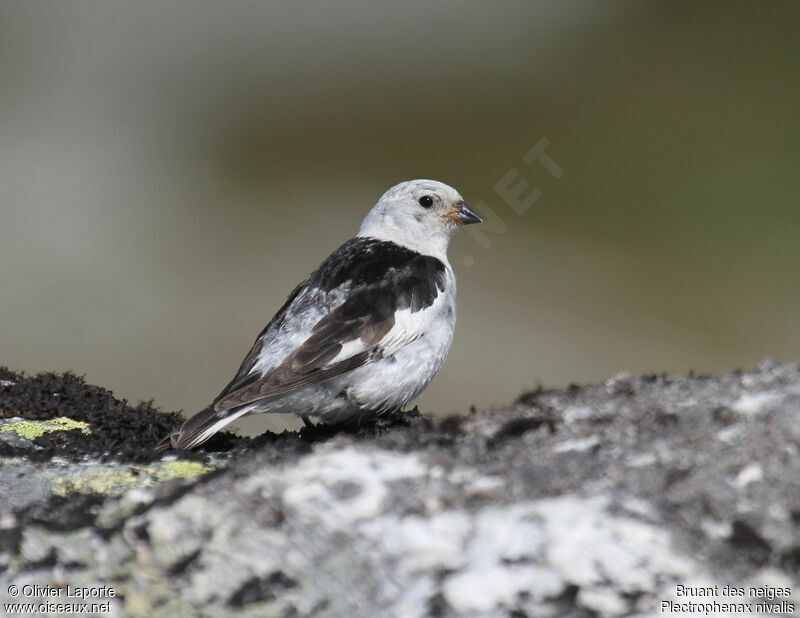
pixel 379 278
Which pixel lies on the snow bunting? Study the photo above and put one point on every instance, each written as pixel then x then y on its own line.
pixel 365 333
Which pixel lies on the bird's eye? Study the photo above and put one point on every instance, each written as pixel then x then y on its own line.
pixel 426 201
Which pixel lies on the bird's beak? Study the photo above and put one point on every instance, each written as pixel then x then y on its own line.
pixel 463 214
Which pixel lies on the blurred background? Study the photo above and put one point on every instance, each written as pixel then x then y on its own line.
pixel 170 170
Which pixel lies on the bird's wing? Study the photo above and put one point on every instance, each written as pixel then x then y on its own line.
pixel 341 318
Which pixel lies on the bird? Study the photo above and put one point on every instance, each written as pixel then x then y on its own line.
pixel 364 334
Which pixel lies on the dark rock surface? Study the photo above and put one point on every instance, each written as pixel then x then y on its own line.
pixel 589 501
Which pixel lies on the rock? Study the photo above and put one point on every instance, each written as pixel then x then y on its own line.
pixel 610 500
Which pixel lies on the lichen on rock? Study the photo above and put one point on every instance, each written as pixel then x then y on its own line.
pixel 31 430
pixel 591 501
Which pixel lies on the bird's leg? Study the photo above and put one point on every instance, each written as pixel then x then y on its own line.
pixel 403 416
pixel 415 413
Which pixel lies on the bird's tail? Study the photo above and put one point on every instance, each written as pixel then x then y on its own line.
pixel 200 428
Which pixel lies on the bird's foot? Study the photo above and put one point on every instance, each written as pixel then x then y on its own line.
pixel 415 413
pixel 401 417
pixel 316 432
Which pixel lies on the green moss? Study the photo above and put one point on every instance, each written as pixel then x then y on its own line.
pixel 113 482
pixel 116 481
pixel 66 424
pixel 182 469
pixel 35 429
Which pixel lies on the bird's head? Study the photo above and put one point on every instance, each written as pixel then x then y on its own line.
pixel 420 214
